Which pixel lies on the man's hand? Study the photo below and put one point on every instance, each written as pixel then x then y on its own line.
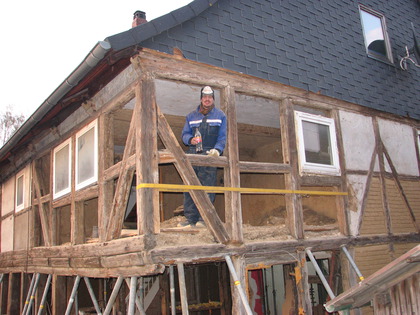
pixel 213 152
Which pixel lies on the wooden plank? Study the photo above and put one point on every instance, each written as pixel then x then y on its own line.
pixel 302 283
pixel 105 160
pixel 124 260
pixel 122 190
pixel 201 199
pixel 290 156
pixel 380 148
pixel 233 208
pixel 43 210
pixel 148 218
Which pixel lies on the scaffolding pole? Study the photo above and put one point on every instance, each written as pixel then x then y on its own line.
pixel 132 299
pixel 31 300
pixel 44 295
pixel 92 295
pixel 113 296
pixel 238 285
pixel 182 289
pixel 29 294
pixel 352 263
pixel 138 301
pixel 73 294
pixel 320 274
pixel 172 290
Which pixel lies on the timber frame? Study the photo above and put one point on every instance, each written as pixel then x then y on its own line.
pixel 113 255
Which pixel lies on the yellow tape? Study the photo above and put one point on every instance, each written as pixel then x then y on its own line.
pixel 217 189
pixel 237 282
pixel 362 278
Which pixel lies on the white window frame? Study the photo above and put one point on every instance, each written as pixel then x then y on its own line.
pixel 387 43
pixel 20 206
pixel 304 166
pixel 94 178
pixel 57 194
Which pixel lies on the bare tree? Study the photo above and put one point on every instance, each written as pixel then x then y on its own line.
pixel 9 123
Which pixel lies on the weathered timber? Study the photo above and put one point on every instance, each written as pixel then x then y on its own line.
pixel 232 176
pixel 43 210
pixel 290 156
pixel 201 199
pixel 148 219
pixel 115 220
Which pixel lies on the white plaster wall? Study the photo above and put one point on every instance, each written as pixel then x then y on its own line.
pixel 358 140
pixel 400 144
pixel 8 196
pixel 7 234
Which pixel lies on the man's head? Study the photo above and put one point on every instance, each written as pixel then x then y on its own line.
pixel 207 97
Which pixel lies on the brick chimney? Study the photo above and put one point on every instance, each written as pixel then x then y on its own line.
pixel 139 18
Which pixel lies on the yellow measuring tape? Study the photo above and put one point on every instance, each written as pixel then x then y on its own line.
pixel 217 189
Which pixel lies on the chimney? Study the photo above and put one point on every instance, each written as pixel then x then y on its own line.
pixel 139 18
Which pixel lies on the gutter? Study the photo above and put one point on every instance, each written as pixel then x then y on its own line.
pixel 91 60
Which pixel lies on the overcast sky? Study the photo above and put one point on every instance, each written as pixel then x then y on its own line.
pixel 43 41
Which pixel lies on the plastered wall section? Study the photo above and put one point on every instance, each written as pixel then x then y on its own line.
pixel 358 146
pixel 359 151
pixel 8 197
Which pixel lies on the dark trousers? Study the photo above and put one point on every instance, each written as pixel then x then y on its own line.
pixel 207 176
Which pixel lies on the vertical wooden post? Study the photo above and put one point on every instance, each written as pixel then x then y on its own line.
pixel 302 284
pixel 290 156
pixel 13 296
pixel 148 220
pixel 233 206
pixel 59 295
pixel 52 211
pixel 237 304
pixel 105 160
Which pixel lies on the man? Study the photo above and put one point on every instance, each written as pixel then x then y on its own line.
pixel 211 123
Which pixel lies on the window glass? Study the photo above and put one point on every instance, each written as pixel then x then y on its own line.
pixel 62 169
pixel 377 44
pixel 86 156
pixel 19 193
pixel 317 144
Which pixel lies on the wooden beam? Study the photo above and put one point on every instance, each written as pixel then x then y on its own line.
pixel 122 190
pixel 105 160
pixel 148 218
pixel 233 208
pixel 186 171
pixel 290 156
pixel 42 209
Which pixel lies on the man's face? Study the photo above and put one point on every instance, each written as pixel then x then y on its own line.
pixel 207 101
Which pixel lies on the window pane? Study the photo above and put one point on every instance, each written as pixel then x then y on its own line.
pixel 316 138
pixel 373 32
pixel 19 191
pixel 86 156
pixel 61 176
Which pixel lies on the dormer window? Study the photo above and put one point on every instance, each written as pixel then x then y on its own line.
pixel 375 34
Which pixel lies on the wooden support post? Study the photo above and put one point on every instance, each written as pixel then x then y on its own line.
pixel 239 299
pixel 43 210
pixel 290 156
pixel 232 174
pixel 59 295
pixel 13 304
pixel 182 288
pixel 382 173
pixel 148 219
pixel 302 284
pixel 105 160
pixel 116 217
pixel 186 171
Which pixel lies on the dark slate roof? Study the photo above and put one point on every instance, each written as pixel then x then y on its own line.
pixel 314 45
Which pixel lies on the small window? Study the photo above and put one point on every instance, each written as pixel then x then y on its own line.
pixel 62 169
pixel 376 38
pixel 20 192
pixel 317 144
pixel 86 156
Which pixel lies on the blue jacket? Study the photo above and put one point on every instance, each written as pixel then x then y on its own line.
pixel 212 128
